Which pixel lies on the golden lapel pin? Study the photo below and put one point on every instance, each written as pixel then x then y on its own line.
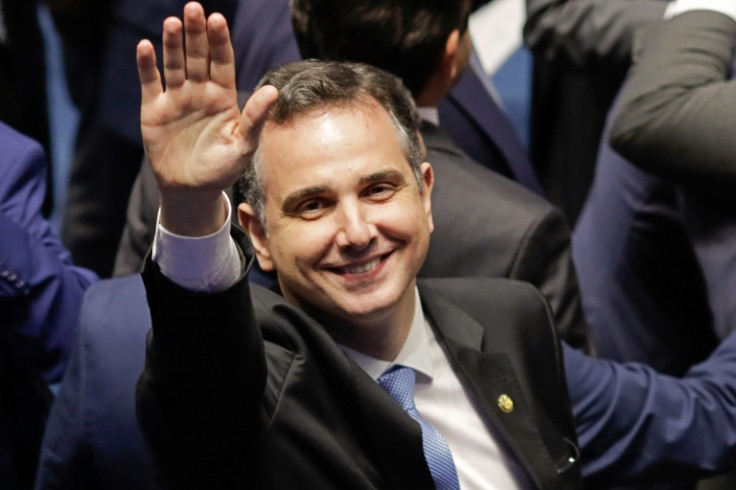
pixel 505 403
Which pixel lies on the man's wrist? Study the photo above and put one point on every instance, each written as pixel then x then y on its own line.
pixel 204 263
pixel 191 216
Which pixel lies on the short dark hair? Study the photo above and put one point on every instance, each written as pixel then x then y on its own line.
pixel 309 84
pixel 404 37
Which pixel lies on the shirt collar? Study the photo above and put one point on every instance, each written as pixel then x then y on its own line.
pixel 414 353
pixel 429 114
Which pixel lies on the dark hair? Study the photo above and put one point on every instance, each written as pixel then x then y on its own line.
pixel 404 37
pixel 309 84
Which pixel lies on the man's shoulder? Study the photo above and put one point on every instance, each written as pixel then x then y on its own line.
pixel 109 292
pixel 454 169
pixel 482 298
pixel 484 222
pixel 512 314
pixel 12 140
pixel 21 160
pixel 491 286
pixel 115 312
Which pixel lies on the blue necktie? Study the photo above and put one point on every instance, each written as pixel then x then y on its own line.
pixel 399 383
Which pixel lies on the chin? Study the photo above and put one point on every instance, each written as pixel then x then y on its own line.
pixel 375 307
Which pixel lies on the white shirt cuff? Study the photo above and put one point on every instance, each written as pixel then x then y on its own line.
pixel 209 263
pixel 725 7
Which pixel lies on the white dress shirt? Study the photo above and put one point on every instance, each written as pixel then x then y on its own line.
pixel 443 402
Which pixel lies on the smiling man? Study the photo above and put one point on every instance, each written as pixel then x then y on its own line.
pixel 244 387
pixel 347 219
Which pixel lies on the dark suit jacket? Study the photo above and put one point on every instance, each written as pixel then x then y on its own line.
pixel 675 119
pixel 581 53
pixel 506 230
pixel 236 393
pixel 478 125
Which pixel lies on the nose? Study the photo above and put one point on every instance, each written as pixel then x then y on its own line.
pixel 355 229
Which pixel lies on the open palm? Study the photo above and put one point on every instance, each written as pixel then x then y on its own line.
pixel 195 137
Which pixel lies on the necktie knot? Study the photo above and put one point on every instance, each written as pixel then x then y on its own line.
pixel 399 382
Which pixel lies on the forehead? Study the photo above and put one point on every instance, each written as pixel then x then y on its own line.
pixel 363 109
pixel 330 143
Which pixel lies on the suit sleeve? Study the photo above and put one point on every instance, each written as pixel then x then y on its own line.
pixel 198 397
pixel 585 32
pixel 635 424
pixel 41 290
pixel 676 116
pixel 545 260
pixel 66 459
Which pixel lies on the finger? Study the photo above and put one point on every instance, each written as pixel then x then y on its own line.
pixel 196 46
pixel 222 60
pixel 148 71
pixel 255 112
pixel 174 71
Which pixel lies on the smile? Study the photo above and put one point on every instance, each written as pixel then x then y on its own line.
pixel 360 268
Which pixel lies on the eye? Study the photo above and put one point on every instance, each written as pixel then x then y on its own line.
pixel 313 208
pixel 379 191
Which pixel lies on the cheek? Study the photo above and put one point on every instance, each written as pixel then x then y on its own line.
pixel 300 244
pixel 405 222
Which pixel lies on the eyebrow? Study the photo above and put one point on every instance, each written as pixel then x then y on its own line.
pixel 317 190
pixel 383 175
pixel 301 194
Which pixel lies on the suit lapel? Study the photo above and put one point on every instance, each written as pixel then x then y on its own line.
pixel 491 376
pixel 471 98
pixel 389 439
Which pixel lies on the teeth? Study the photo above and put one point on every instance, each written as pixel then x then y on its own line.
pixel 358 269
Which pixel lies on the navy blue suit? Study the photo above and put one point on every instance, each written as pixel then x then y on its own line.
pixel 92 440
pixel 642 287
pixel 40 295
pixel 629 420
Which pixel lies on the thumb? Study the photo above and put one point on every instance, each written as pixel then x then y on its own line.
pixel 254 113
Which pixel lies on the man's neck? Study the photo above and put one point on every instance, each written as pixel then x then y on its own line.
pixel 434 92
pixel 380 335
pixel 429 99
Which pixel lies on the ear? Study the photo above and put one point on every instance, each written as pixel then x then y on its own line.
pixel 427 186
pixel 257 233
pixel 448 62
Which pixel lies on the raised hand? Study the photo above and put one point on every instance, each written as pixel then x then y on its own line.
pixel 196 139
